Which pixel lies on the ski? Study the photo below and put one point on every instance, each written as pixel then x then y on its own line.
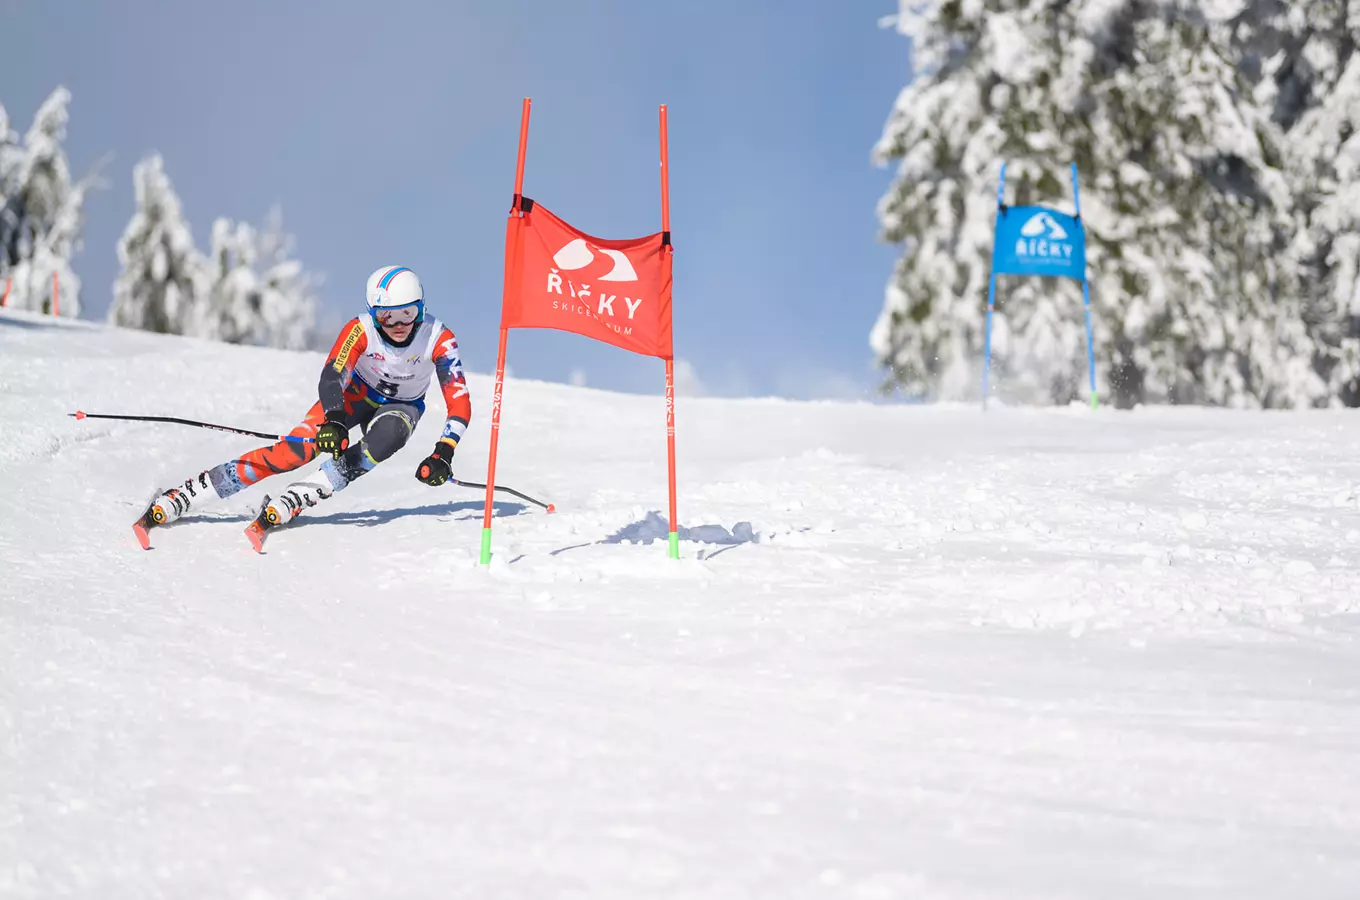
pixel 257 531
pixel 149 520
pixel 142 529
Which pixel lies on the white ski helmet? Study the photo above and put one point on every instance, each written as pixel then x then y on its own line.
pixel 392 287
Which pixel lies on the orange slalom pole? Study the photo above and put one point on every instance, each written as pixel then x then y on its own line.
pixel 500 352
pixel 56 296
pixel 674 541
pixel 4 298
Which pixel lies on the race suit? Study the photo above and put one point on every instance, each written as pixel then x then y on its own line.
pixel 370 383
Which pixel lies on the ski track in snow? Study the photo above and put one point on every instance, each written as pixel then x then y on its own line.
pixel 909 652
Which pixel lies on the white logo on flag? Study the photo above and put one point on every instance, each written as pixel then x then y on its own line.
pixel 577 255
pixel 1044 225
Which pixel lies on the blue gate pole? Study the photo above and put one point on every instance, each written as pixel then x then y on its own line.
pixel 991 295
pixel 987 366
pixel 1086 293
pixel 1090 346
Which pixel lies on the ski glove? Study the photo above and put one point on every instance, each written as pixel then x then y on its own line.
pixel 435 470
pixel 332 437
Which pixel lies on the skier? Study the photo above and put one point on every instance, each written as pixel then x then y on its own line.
pixel 375 378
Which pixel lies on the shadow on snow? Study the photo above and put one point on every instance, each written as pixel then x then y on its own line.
pixel 654 527
pixel 370 517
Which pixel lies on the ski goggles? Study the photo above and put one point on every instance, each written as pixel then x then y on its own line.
pixel 398 315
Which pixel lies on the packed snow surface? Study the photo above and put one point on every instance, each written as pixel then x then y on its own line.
pixel 908 651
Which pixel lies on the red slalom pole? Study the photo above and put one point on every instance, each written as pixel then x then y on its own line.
pixel 56 296
pixel 674 541
pixel 511 270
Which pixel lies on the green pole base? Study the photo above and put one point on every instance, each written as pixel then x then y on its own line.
pixel 1095 401
pixel 675 545
pixel 486 546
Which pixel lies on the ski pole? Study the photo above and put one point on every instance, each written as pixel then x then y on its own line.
pixel 481 487
pixel 259 434
pixel 287 437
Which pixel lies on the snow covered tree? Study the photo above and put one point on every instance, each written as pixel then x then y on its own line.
pixel 1213 316
pixel 11 159
pixel 1186 209
pixel 946 141
pixel 163 274
pixel 992 81
pixel 1312 80
pixel 42 218
pixel 257 294
pixel 232 301
pixel 246 291
pixel 289 308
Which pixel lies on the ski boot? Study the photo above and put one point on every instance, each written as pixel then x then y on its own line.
pixel 283 509
pixel 172 503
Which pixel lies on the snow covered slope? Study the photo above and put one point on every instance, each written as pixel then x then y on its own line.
pixel 909 652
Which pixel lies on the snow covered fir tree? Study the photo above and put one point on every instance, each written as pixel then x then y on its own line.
pixel 1312 82
pixel 256 293
pixel 246 290
pixel 41 211
pixel 162 273
pixel 1219 165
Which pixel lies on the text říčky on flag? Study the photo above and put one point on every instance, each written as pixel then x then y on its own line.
pixel 616 291
pixel 1036 240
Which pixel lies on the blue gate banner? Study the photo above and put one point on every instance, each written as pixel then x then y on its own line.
pixel 1035 240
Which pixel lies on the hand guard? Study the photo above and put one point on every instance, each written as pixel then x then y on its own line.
pixel 333 436
pixel 435 470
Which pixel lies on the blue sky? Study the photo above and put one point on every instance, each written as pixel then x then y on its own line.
pixel 387 133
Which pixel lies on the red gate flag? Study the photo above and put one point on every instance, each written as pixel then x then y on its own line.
pixel 618 292
pixel 559 277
